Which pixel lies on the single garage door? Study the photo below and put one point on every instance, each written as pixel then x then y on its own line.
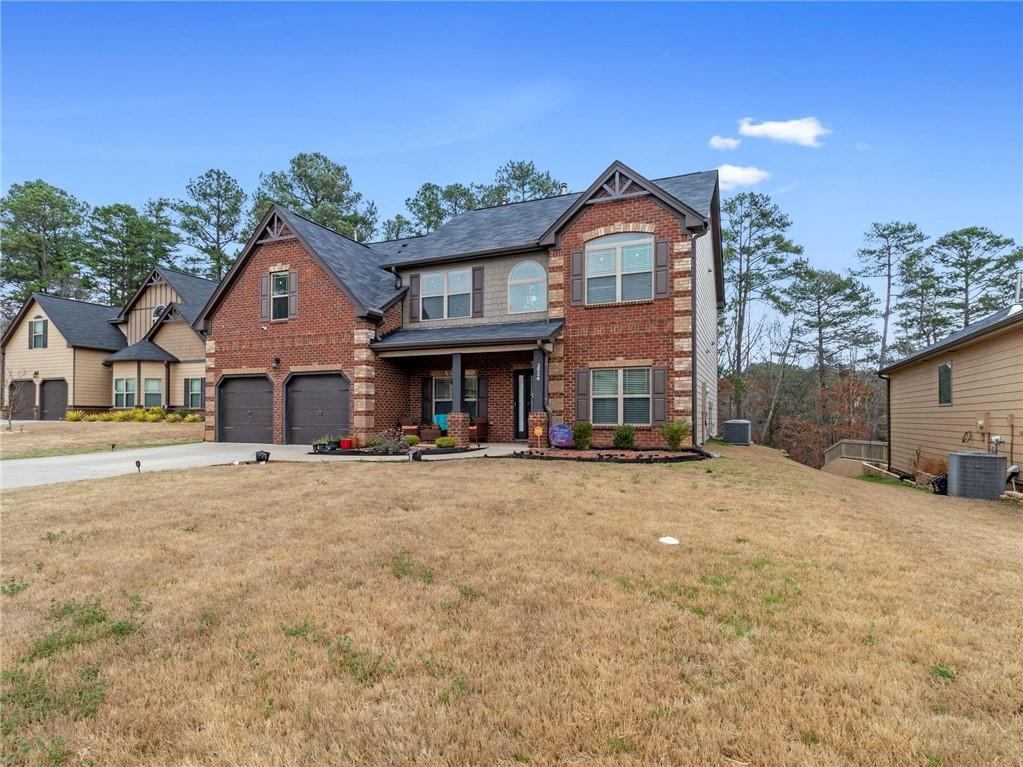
pixel 22 399
pixel 52 400
pixel 317 405
pixel 246 410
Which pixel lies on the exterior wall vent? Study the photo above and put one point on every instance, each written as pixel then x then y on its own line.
pixel 976 475
pixel 738 432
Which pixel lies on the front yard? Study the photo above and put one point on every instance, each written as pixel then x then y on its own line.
pixel 499 612
pixel 35 439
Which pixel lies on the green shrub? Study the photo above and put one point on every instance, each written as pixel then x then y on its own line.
pixel 410 440
pixel 153 417
pixel 582 435
pixel 193 418
pixel 625 437
pixel 138 415
pixel 444 442
pixel 91 417
pixel 174 418
pixel 159 412
pixel 375 441
pixel 120 415
pixel 74 415
pixel 675 432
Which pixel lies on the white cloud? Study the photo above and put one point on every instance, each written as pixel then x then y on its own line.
pixel 863 146
pixel 733 176
pixel 722 142
pixel 805 131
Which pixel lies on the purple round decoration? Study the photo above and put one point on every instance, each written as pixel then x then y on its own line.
pixel 561 435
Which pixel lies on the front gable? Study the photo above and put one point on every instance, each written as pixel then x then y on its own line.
pixel 142 311
pixel 173 332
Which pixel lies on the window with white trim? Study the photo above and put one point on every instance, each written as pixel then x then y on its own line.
pixel 194 388
pixel 620 396
pixel 442 395
pixel 445 295
pixel 153 392
pixel 620 268
pixel 279 295
pixel 124 392
pixel 157 312
pixel 527 288
pixel 38 330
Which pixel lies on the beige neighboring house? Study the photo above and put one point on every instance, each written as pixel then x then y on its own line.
pixel 958 394
pixel 60 354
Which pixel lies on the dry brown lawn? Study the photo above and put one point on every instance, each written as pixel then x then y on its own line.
pixel 491 611
pixel 40 438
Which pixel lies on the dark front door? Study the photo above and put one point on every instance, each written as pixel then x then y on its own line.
pixel 22 399
pixel 52 400
pixel 317 407
pixel 523 402
pixel 246 410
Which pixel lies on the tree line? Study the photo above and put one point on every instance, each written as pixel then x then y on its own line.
pixel 55 243
pixel 801 345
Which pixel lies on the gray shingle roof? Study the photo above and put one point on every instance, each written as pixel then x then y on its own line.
pixel 194 291
pixel 142 350
pixel 1005 316
pixel 82 323
pixel 470 335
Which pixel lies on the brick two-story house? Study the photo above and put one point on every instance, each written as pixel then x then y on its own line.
pixel 598 306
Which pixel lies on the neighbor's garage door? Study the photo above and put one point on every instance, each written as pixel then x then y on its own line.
pixel 22 399
pixel 317 405
pixel 52 400
pixel 246 410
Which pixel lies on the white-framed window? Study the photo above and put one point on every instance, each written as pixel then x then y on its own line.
pixel 279 290
pixel 153 388
pixel 620 268
pixel 158 311
pixel 194 388
pixel 442 395
pixel 945 383
pixel 37 329
pixel 124 392
pixel 527 288
pixel 445 295
pixel 620 396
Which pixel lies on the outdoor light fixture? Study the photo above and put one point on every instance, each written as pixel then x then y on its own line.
pixel 276 363
pixel 35 374
pixel 262 456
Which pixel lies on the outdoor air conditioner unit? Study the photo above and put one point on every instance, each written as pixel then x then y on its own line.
pixel 976 475
pixel 738 432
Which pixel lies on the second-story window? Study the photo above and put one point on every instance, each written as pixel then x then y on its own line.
pixel 620 268
pixel 279 296
pixel 37 334
pixel 527 288
pixel 446 295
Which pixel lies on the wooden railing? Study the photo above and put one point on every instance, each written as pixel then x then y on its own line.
pixel 859 449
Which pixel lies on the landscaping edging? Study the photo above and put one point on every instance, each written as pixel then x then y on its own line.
pixel 614 455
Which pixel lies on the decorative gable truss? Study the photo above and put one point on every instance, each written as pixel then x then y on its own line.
pixel 617 187
pixel 275 230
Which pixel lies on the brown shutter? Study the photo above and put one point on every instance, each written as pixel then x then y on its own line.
pixel 577 279
pixel 659 399
pixel 413 297
pixel 46 333
pixel 477 291
pixel 293 293
pixel 31 335
pixel 661 289
pixel 186 403
pixel 582 394
pixel 264 297
pixel 482 400
pixel 426 402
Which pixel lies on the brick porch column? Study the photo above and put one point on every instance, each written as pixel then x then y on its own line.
pixel 538 422
pixel 458 427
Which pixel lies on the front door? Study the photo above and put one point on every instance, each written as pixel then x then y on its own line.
pixel 523 402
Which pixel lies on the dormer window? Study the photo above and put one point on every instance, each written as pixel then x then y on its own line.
pixel 527 288
pixel 620 268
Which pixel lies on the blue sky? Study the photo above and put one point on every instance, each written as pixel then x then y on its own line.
pixel 924 103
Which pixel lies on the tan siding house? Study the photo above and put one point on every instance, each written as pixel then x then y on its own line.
pixel 958 395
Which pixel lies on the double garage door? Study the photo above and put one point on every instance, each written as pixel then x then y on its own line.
pixel 316 404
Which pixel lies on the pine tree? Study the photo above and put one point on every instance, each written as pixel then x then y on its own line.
pixel 210 220
pixel 980 268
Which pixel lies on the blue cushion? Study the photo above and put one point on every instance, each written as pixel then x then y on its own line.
pixel 441 419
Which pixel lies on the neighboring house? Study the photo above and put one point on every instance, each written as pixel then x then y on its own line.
pixel 61 354
pixel 598 306
pixel 957 394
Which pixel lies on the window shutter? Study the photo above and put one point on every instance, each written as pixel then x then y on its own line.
pixel 293 293
pixel 659 396
pixel 582 394
pixel 46 333
pixel 31 334
pixel 264 297
pixel 413 297
pixel 481 399
pixel 426 402
pixel 661 289
pixel 477 291
pixel 186 402
pixel 202 394
pixel 577 279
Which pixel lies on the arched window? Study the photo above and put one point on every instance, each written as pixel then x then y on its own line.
pixel 620 268
pixel 157 312
pixel 527 288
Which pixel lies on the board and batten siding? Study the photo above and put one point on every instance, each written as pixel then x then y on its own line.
pixel 705 352
pixel 93 381
pixel 53 362
pixel 495 291
pixel 140 318
pixel 987 383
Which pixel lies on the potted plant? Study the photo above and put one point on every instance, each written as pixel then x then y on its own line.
pixel 346 443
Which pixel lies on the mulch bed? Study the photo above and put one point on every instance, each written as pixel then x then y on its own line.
pixel 614 455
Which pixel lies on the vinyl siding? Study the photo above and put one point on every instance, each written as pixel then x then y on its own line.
pixel 93 382
pixel 178 338
pixel 179 372
pixel 705 348
pixel 55 361
pixel 495 291
pixel 140 318
pixel 987 384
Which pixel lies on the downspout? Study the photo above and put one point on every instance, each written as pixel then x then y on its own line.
pixel 693 347
pixel 888 415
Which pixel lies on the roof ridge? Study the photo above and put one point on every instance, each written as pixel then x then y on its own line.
pixel 185 274
pixel 322 226
pixel 72 300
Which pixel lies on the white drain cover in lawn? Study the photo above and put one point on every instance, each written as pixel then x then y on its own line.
pixel 667 539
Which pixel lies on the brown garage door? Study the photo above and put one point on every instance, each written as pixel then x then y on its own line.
pixel 246 410
pixel 52 400
pixel 22 399
pixel 317 405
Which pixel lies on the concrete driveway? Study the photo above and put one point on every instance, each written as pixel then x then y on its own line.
pixel 24 472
